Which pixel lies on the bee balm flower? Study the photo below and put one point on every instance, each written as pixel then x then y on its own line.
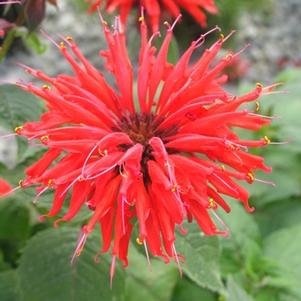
pixel 168 156
pixel 155 8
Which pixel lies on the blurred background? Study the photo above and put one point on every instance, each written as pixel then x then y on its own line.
pixel 261 259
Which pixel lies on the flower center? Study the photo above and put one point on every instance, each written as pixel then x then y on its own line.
pixel 142 127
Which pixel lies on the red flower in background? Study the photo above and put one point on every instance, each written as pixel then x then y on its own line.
pixel 155 8
pixel 167 157
pixel 5 187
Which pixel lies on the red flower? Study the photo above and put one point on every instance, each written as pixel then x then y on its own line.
pixel 5 188
pixel 169 156
pixel 154 8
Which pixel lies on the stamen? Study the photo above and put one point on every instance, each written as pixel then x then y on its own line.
pixel 8 135
pixel 147 254
pixel 44 139
pixel 112 270
pixel 228 36
pixel 88 157
pixel 70 185
pixel 123 201
pixel 139 241
pixel 101 19
pixel 212 204
pixel 171 28
pixel 243 147
pixel 224 225
pixel 202 38
pixel 263 116
pixel 122 170
pixel 49 38
pixel 79 245
pixel 257 106
pixel 265 182
pixel 18 129
pixel 174 188
pixel 10 192
pixel 177 260
pixel 141 18
pixel 101 173
pixel 36 199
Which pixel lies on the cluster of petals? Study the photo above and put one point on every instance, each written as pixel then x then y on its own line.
pixel 156 8
pixel 155 151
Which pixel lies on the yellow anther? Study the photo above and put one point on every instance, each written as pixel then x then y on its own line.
pixel 18 129
pixel 141 19
pixel 46 87
pixel 21 183
pixel 211 203
pixel 266 140
pixel 103 153
pixel 174 188
pixel 62 45
pixel 166 23
pixel 50 182
pixel 251 177
pixel 257 106
pixel 229 56
pixel 223 167
pixel 139 241
pixel 44 139
pixel 259 85
pixel 69 39
pixel 221 36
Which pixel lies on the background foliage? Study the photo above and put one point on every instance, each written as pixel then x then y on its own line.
pixel 260 261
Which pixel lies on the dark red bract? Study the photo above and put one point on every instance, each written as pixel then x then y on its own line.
pixel 158 152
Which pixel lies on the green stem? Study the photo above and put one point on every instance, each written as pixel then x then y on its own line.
pixel 7 43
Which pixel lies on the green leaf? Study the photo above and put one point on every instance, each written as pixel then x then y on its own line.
pixel 235 292
pixel 149 283
pixel 285 213
pixel 17 107
pixel 201 258
pixel 46 273
pixel 284 246
pixel 241 250
pixel 14 220
pixel 188 290
pixel 9 286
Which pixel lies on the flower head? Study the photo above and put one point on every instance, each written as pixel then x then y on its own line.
pixel 155 8
pixel 167 155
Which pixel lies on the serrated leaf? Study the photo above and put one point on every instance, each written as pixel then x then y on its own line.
pixel 9 286
pixel 154 283
pixel 284 246
pixel 201 258
pixel 235 292
pixel 46 273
